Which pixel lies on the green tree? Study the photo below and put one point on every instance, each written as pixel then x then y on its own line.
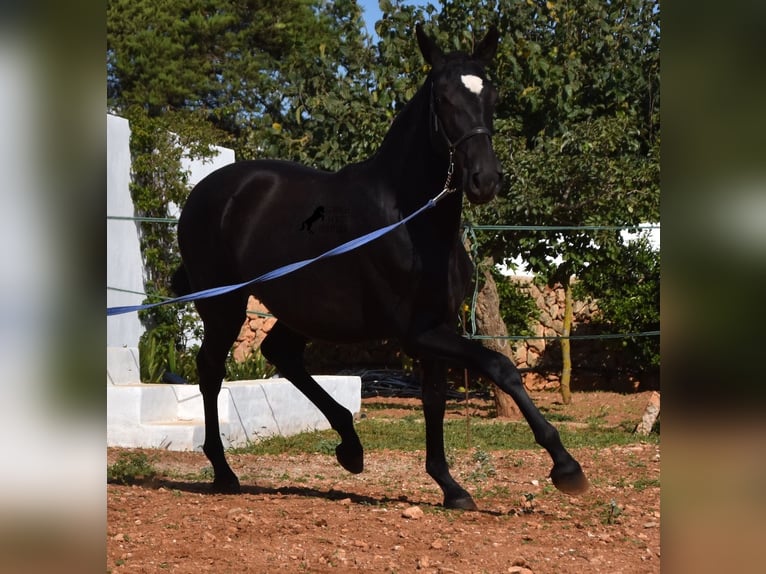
pixel 266 77
pixel 577 129
pixel 628 291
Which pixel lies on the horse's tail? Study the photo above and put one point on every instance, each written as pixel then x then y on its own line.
pixel 179 282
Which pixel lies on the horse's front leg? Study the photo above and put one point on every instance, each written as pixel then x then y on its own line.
pixel 566 474
pixel 434 399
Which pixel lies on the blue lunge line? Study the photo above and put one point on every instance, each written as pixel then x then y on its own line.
pixel 284 270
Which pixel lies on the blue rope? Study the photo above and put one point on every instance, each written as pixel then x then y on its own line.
pixel 284 270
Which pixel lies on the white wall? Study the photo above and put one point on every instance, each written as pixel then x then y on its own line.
pixel 124 266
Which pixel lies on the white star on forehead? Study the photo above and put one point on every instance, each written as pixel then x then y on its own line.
pixel 473 83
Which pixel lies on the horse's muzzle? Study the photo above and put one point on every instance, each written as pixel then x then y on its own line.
pixel 483 185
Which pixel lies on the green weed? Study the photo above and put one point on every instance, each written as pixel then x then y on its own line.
pixel 612 512
pixel 644 483
pixel 484 467
pixel 131 468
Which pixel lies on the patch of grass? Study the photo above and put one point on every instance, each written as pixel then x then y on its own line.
pixel 131 468
pixel 202 475
pixel 327 445
pixel 612 512
pixel 598 418
pixel 484 467
pixel 559 418
pixel 382 406
pixel 644 483
pixel 406 434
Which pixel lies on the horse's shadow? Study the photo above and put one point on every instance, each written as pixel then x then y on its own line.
pixel 302 492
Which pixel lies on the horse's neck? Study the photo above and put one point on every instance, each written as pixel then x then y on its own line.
pixel 406 158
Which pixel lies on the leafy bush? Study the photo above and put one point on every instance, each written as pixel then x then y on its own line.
pixel 159 353
pixel 627 288
pixel 253 367
pixel 517 307
pixel 131 468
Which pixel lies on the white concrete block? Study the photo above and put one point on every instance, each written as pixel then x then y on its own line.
pixel 171 416
pixel 122 366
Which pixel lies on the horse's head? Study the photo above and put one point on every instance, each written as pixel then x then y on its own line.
pixel 462 106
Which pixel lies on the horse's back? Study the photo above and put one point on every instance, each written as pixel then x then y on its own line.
pixel 262 214
pixel 248 176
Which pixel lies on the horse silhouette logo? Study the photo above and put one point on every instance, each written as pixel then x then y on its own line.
pixel 312 219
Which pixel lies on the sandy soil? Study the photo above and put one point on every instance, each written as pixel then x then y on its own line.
pixel 304 513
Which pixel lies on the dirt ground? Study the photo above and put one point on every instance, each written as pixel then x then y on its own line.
pixel 304 513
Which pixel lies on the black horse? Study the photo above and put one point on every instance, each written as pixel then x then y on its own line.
pixel 243 220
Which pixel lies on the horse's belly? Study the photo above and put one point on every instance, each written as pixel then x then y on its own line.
pixel 342 300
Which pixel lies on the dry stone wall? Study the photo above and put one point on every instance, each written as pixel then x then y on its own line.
pixel 538 354
pixel 597 364
pixel 253 330
pixel 544 354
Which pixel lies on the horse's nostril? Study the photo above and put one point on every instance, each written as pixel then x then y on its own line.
pixel 489 179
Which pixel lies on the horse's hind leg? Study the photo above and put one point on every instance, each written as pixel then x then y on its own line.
pixel 222 318
pixel 434 400
pixel 284 349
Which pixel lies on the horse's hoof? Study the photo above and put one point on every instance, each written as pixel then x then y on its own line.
pixel 464 502
pixel 570 479
pixel 350 458
pixel 226 486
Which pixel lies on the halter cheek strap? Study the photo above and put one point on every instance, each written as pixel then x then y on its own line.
pixel 439 128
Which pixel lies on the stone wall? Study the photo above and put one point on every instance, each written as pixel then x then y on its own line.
pixel 544 355
pixel 596 363
pixel 253 330
pixel 527 354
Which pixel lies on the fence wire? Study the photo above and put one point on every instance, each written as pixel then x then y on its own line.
pixel 470 236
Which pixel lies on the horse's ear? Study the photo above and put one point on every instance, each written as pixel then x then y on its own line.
pixel 485 50
pixel 431 52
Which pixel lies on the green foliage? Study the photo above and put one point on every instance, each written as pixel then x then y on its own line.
pixel 158 183
pixel 613 511
pixel 131 468
pixel 254 366
pixel 577 127
pixel 517 307
pixel 159 353
pixel 627 289
pixel 484 466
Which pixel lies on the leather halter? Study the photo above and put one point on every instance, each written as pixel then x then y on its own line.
pixel 439 128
